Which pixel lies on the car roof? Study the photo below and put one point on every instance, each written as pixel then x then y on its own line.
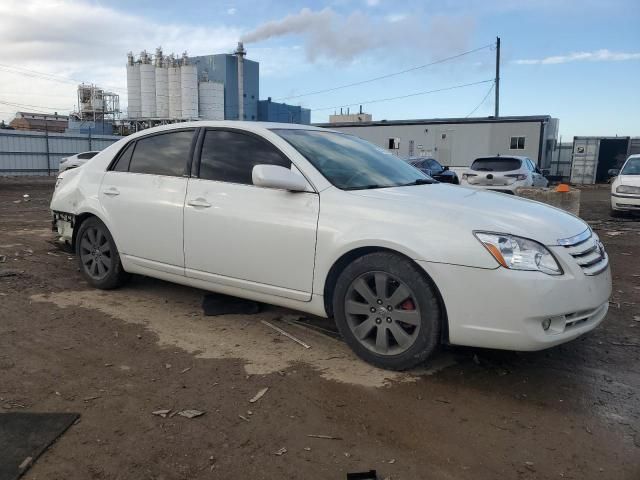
pixel 635 155
pixel 257 127
pixel 500 157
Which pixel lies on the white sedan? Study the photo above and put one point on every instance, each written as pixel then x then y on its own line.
pixel 329 224
pixel 75 161
pixel 503 174
pixel 625 189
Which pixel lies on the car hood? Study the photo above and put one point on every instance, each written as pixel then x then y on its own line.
pixel 475 209
pixel 632 180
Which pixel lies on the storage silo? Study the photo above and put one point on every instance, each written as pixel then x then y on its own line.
pixel 162 86
pixel 175 91
pixel 211 100
pixel 189 88
pixel 147 86
pixel 133 87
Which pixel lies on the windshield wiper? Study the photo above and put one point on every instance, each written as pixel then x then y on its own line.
pixel 419 181
pixel 367 187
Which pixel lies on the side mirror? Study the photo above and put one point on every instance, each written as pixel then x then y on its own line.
pixel 445 168
pixel 614 172
pixel 545 172
pixel 274 176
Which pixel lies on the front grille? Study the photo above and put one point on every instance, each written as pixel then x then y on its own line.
pixel 588 252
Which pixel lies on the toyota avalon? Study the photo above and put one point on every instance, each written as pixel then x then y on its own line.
pixel 329 224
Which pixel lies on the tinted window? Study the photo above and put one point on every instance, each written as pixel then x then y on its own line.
pixel 632 167
pixel 122 164
pixel 231 156
pixel 164 154
pixel 87 155
pixel 349 162
pixel 434 166
pixel 496 164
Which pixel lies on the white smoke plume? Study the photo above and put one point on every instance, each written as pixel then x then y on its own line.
pixel 343 38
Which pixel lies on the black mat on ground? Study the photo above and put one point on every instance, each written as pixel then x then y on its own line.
pixel 216 304
pixel 28 435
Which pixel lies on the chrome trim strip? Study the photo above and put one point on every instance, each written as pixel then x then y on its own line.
pixel 576 239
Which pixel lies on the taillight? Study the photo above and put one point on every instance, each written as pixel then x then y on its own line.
pixel 517 176
pixel 466 176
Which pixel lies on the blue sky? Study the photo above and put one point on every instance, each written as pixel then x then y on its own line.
pixel 578 61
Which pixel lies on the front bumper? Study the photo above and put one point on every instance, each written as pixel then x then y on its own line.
pixel 504 309
pixel 628 202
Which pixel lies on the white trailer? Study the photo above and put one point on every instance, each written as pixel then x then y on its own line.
pixel 456 142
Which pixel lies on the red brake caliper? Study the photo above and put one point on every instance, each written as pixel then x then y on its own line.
pixel 407 305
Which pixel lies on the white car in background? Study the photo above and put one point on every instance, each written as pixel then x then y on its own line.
pixel 503 174
pixel 327 223
pixel 625 189
pixel 75 161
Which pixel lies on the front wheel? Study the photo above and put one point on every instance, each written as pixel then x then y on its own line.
pixel 98 256
pixel 387 311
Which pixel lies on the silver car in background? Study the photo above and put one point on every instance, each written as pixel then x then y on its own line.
pixel 75 161
pixel 503 174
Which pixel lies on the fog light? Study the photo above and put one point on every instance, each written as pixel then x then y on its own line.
pixel 546 323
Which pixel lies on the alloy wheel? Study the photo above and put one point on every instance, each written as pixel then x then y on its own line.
pixel 382 312
pixel 95 253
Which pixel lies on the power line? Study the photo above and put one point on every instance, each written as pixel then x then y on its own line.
pixel 382 77
pixel 484 99
pixel 47 76
pixel 404 96
pixel 38 107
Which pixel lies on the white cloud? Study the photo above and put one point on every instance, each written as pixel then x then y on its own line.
pixel 231 11
pixel 373 3
pixel 396 17
pixel 88 42
pixel 602 55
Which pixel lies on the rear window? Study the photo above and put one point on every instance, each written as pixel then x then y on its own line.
pixel 87 155
pixel 496 164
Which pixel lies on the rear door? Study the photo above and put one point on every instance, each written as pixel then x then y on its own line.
pixel 143 197
pixel 492 171
pixel 244 236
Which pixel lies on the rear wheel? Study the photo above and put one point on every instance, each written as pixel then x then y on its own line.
pixel 98 256
pixel 387 311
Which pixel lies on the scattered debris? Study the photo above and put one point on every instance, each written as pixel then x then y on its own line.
pixel 625 344
pixel 476 360
pixel 190 413
pixel 614 233
pixel 167 366
pixel 442 400
pixel 259 395
pixel 9 273
pixel 286 334
pixel 139 336
pixel 370 475
pixel 3 258
pixel 392 461
pixel 244 418
pixel 325 437
pixel 280 452
pixel 529 466
pixel 185 370
pixel 88 399
pixel 308 449
pixel 25 464
pixel 162 413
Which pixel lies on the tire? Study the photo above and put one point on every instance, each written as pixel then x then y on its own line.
pixel 98 256
pixel 404 330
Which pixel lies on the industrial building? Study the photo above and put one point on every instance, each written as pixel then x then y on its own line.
pixel 40 122
pixel 165 89
pixel 270 111
pixel 456 142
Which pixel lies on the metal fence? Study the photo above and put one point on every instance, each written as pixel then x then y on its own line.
pixel 39 153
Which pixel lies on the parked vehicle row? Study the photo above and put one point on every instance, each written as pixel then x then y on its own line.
pixel 625 188
pixel 503 174
pixel 329 224
pixel 75 161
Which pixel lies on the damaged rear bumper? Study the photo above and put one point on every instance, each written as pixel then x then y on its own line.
pixel 63 223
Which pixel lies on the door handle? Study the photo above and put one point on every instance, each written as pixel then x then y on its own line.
pixel 112 192
pixel 199 202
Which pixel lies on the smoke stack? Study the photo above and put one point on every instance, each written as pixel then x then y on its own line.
pixel 240 53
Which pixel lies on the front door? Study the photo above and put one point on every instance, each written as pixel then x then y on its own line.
pixel 143 198
pixel 244 236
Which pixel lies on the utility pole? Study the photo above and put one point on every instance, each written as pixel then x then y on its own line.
pixel 497 100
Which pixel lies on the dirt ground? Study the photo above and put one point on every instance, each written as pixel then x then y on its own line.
pixel 115 357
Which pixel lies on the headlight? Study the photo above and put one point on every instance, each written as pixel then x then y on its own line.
pixel 627 189
pixel 58 181
pixel 517 253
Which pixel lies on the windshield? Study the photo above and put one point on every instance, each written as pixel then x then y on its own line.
pixel 351 163
pixel 496 164
pixel 632 167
